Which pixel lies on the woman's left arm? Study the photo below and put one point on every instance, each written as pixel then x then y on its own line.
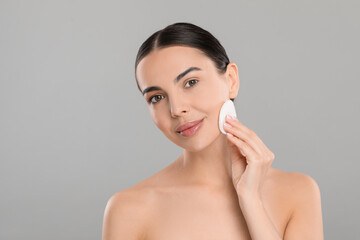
pixel 251 160
pixel 259 224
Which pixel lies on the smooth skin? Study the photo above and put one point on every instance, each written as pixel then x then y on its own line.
pixel 221 186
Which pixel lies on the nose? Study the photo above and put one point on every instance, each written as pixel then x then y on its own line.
pixel 178 108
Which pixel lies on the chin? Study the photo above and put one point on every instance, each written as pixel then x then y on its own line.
pixel 199 142
pixel 207 134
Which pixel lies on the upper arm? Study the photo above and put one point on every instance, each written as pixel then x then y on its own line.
pixel 306 220
pixel 123 218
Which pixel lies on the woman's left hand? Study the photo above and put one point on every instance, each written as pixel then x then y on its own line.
pixel 250 153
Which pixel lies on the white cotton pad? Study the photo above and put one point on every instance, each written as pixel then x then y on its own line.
pixel 227 108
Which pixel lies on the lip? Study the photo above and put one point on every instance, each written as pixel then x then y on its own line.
pixel 190 128
pixel 187 125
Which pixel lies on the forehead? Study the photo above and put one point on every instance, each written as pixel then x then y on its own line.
pixel 168 62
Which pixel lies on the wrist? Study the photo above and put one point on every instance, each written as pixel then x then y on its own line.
pixel 249 200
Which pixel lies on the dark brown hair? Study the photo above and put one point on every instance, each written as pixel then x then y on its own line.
pixel 186 34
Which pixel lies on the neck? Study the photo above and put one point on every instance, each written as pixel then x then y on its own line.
pixel 210 167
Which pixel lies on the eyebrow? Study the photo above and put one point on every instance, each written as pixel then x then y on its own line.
pixel 176 80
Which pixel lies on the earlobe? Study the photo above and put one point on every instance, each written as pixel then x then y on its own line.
pixel 233 79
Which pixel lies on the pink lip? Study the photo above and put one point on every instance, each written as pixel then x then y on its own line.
pixel 187 125
pixel 192 130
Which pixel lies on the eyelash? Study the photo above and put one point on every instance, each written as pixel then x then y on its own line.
pixel 149 100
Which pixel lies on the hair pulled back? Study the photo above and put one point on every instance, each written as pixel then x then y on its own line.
pixel 185 34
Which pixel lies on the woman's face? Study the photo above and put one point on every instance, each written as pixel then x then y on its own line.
pixel 195 95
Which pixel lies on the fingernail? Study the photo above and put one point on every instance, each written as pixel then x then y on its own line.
pixel 228 125
pixel 229 134
pixel 229 117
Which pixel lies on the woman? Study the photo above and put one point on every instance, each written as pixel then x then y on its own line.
pixel 221 186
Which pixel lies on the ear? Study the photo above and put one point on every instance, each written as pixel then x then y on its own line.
pixel 232 77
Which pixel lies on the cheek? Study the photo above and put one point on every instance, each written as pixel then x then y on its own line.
pixel 211 97
pixel 158 119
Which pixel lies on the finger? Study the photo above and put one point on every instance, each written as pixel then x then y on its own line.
pixel 253 140
pixel 249 134
pixel 243 136
pixel 243 147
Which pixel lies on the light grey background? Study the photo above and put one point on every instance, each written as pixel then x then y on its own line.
pixel 74 129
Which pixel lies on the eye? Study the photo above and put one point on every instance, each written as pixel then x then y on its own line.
pixel 191 81
pixel 154 97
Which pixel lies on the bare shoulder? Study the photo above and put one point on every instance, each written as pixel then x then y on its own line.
pixel 126 213
pixel 294 184
pixel 304 200
pixel 293 179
